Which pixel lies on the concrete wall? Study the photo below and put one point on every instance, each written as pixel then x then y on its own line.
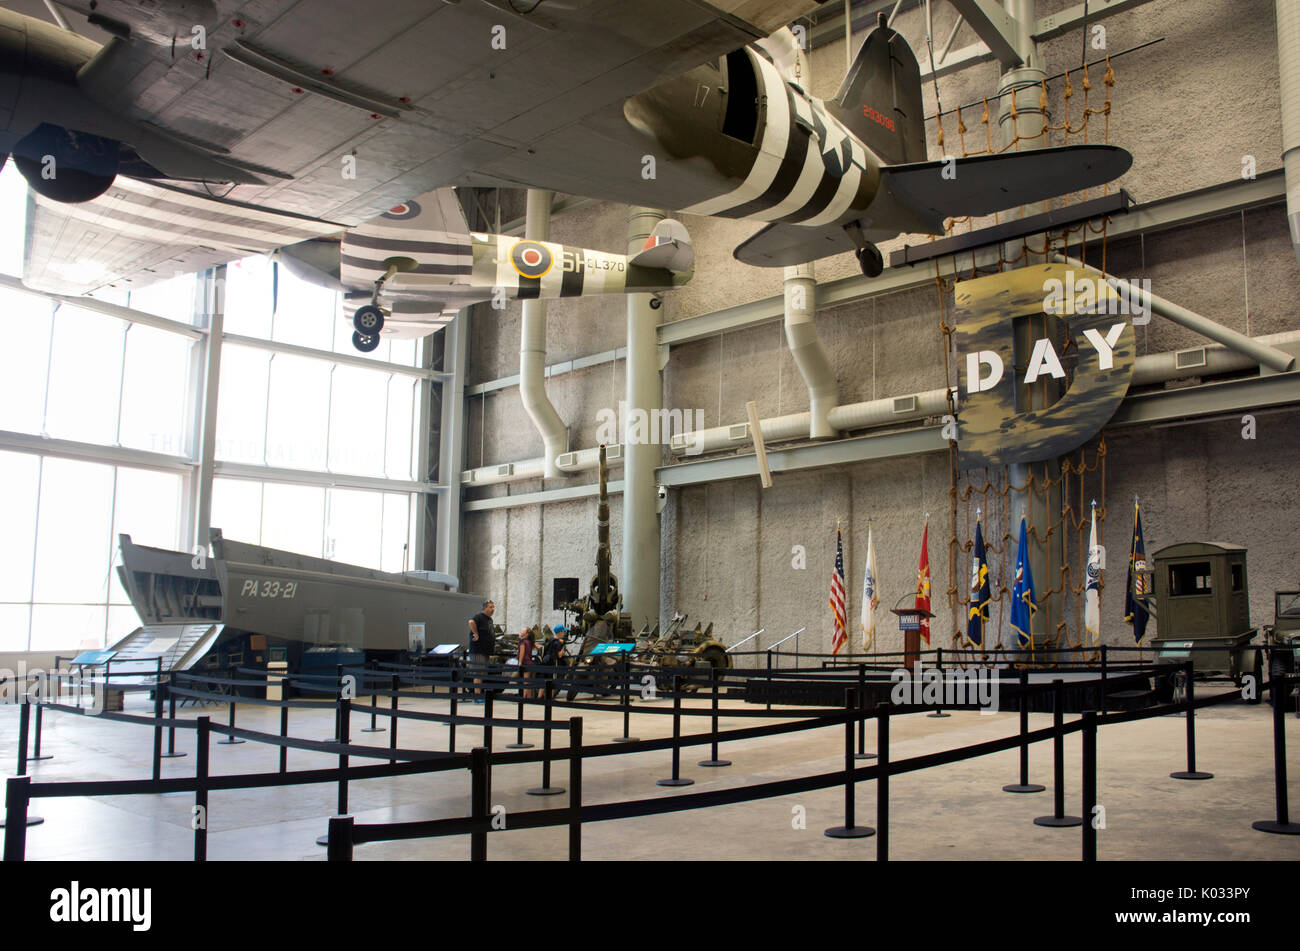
pixel 1188 108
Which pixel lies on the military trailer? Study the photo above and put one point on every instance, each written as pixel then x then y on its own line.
pixel 1203 603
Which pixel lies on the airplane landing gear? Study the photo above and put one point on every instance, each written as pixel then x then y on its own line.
pixel 870 260
pixel 368 320
pixel 365 343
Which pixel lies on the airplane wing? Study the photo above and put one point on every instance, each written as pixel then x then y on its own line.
pixel 138 233
pixel 983 184
pixel 363 105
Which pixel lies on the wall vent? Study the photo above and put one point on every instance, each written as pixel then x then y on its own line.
pixel 738 432
pixel 1190 359
pixel 904 404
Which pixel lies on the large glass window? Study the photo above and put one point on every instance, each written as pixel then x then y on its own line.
pixel 24 360
pixel 58 584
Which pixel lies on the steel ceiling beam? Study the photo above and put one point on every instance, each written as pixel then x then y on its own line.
pixel 997 28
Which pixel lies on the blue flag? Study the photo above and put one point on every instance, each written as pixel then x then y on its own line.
pixel 1023 601
pixel 978 614
pixel 1136 591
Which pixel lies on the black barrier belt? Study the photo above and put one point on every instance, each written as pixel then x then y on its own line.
pixel 222 681
pixel 362 710
pixel 251 701
pixel 337 749
pixel 122 717
pixel 681 803
pixel 1166 709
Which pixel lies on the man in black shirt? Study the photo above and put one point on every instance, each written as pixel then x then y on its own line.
pixel 482 638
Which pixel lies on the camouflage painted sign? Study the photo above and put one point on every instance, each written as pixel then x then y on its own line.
pixel 992 430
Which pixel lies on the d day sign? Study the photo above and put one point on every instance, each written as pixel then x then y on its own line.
pixel 993 430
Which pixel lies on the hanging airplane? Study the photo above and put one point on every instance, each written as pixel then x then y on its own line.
pixel 404 274
pixel 668 103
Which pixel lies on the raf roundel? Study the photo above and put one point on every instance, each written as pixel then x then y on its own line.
pixel 531 259
pixel 407 209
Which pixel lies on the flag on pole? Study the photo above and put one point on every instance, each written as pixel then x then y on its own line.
pixel 1136 591
pixel 837 596
pixel 1023 601
pixel 923 583
pixel 978 615
pixel 870 599
pixel 1092 596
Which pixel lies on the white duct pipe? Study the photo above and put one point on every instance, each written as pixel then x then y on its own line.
pixel 532 349
pixel 1288 67
pixel 809 354
pixel 1207 361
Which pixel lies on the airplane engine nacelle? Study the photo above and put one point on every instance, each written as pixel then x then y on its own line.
pixel 65 165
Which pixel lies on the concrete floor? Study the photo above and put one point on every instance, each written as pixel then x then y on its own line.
pixel 955 812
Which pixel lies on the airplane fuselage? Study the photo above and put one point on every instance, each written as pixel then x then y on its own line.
pixel 774 152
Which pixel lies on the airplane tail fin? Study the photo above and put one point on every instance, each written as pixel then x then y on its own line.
pixel 669 246
pixel 880 99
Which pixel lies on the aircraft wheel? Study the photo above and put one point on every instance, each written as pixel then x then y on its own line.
pixel 364 343
pixel 870 260
pixel 368 320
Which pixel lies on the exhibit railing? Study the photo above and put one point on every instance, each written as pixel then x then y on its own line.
pixel 345 833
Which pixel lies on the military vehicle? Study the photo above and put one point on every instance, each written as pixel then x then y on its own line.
pixel 1203 599
pixel 1282 637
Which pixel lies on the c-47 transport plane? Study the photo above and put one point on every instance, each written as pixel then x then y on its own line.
pixel 675 104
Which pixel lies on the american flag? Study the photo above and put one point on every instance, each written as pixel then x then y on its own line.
pixel 837 596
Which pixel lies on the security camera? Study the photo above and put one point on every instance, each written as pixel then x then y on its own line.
pixel 663 492
pixel 656 303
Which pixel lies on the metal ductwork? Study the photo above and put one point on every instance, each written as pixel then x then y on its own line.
pixel 1288 67
pixel 808 352
pixel 532 349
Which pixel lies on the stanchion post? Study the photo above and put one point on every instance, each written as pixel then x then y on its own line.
pixel 392 707
pixel 1058 819
pixel 676 778
pixel 478 802
pixel 1090 786
pixel 487 718
pixel 546 789
pixel 232 739
pixel 455 704
pixel 713 760
pixel 340 839
pixel 768 684
pixel 374 706
pixel 1024 786
pixel 17 797
pixel 284 734
pixel 171 727
pixel 201 790
pixel 1105 668
pixel 157 731
pixel 627 702
pixel 42 694
pixel 24 726
pixel 1190 702
pixel 938 709
pixel 519 743
pixel 882 784
pixel 345 734
pixel 1279 687
pixel 575 788
pixel 862 715
pixel 849 830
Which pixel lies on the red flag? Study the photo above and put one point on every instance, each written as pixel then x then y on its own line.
pixel 837 597
pixel 923 584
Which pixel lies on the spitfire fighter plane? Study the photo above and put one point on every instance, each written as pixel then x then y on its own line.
pixel 678 104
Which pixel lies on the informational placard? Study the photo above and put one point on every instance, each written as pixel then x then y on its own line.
pixel 445 649
pixel 612 648
pixel 415 636
pixel 94 658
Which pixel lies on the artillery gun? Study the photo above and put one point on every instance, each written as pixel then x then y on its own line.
pixel 602 620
